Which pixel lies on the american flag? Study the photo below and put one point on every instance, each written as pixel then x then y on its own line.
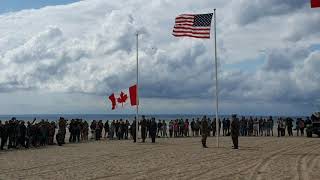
pixel 193 25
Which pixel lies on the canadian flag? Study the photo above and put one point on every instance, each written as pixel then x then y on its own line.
pixel 122 97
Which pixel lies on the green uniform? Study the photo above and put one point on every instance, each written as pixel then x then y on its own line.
pixel 204 131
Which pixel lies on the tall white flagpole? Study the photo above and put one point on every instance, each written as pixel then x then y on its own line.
pixel 216 66
pixel 137 112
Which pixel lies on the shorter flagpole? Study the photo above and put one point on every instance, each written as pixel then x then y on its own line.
pixel 137 112
pixel 216 66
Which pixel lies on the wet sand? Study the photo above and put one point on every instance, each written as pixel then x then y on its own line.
pixel 176 158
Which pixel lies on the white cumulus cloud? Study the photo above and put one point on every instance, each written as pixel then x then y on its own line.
pixel 88 47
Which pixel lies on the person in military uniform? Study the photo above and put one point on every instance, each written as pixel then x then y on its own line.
pixel 71 128
pixel 23 130
pixel 85 130
pixel 204 131
pixel 143 124
pixel 60 137
pixel 42 133
pixel 153 130
pixel 289 124
pixel 93 126
pixel 133 130
pixel 52 131
pixel 30 133
pixel 99 127
pixel 235 127
pixel 11 133
pixel 77 130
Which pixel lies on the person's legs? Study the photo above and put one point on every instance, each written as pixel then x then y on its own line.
pixel 3 142
pixel 153 138
pixel 23 141
pixel 78 137
pixel 204 141
pixel 134 137
pixel 143 134
pixel 235 142
pixel 70 138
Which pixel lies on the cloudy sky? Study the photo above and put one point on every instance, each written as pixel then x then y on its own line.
pixel 67 56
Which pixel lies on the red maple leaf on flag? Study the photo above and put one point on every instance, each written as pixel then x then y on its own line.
pixel 123 98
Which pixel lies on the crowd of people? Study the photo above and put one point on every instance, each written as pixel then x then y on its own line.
pixel 18 134
pixel 15 133
pixel 288 123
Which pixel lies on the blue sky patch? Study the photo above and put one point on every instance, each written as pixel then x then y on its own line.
pixel 17 5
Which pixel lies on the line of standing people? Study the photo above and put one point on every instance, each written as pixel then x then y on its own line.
pixel 15 134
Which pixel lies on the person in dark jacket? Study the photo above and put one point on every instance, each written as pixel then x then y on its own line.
pixel 235 127
pixel 106 129
pixel 77 130
pixel 11 133
pixel 23 131
pixel 99 127
pixel 126 133
pixel 289 123
pixel 122 129
pixel 143 124
pixel 93 127
pixel 4 134
pixel 153 130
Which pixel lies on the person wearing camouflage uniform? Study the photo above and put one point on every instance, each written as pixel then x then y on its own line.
pixel 204 131
pixel 62 131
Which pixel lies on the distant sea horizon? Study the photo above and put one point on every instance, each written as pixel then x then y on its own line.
pixel 130 117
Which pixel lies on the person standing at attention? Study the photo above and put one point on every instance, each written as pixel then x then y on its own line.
pixel 153 130
pixel 235 131
pixel 204 130
pixel 143 124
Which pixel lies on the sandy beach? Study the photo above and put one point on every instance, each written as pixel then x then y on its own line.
pixel 175 158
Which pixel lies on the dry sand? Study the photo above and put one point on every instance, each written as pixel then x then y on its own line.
pixel 178 158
